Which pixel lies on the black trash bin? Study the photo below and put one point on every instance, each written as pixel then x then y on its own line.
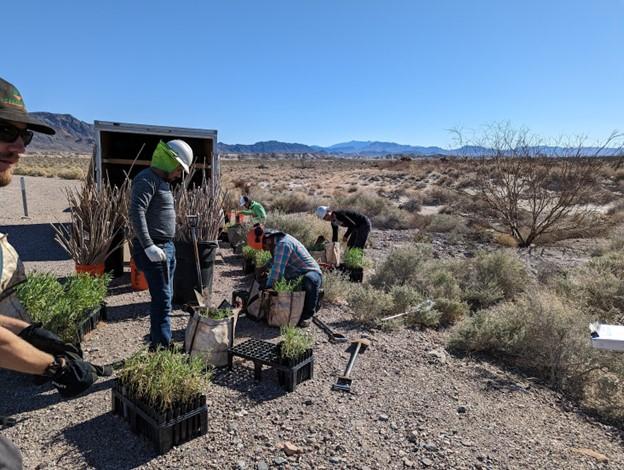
pixel 185 277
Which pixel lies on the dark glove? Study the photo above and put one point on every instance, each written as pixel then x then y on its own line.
pixel 76 375
pixel 47 341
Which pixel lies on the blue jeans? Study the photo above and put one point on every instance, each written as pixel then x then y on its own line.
pixel 161 291
pixel 312 281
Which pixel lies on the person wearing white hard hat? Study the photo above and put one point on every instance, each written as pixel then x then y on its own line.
pixel 253 208
pixel 358 225
pixel 153 217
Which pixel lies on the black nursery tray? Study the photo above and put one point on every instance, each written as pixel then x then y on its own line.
pixel 355 274
pixel 89 323
pixel 263 353
pixel 163 430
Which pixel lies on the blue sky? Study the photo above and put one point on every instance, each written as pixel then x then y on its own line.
pixel 324 71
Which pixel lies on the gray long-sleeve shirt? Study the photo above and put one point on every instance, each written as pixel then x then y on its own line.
pixel 152 211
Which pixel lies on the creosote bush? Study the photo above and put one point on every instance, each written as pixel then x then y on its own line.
pixel 336 285
pixel 304 227
pixel 164 378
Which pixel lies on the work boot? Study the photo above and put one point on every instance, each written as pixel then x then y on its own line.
pixel 304 323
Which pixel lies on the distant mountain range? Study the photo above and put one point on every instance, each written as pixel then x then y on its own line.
pixel 74 135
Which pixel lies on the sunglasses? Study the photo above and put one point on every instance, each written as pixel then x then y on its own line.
pixel 10 133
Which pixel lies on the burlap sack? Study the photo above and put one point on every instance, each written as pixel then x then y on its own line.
pixel 285 308
pixel 332 253
pixel 210 338
pixel 319 256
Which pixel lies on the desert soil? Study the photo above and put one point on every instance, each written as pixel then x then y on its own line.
pixel 413 405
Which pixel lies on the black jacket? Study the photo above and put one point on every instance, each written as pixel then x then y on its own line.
pixel 349 219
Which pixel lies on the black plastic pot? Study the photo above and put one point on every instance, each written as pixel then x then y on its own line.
pixel 114 264
pixel 355 274
pixel 185 280
pixel 299 370
pixel 180 424
pixel 90 321
pixel 248 266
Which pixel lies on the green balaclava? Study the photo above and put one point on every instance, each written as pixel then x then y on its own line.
pixel 164 158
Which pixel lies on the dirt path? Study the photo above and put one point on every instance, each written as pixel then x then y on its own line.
pixel 413 405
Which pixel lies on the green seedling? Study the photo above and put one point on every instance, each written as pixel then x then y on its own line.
pixel 249 252
pixel 216 313
pixel 354 258
pixel 263 258
pixel 294 342
pixel 294 285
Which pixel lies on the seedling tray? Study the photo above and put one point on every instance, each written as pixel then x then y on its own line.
pixel 89 323
pixel 164 430
pixel 263 353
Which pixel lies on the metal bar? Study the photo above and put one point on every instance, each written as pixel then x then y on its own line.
pixel 24 199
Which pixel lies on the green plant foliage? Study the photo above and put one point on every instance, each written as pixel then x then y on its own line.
pixel 263 257
pixel 294 285
pixel 369 305
pixel 60 307
pixel 304 227
pixel 215 313
pixel 164 379
pixel 404 297
pixel 354 258
pixel 249 252
pixel 402 266
pixel 295 342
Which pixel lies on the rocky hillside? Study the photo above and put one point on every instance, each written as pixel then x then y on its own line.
pixel 72 135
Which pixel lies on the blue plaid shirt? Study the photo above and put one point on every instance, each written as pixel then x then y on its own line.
pixel 290 260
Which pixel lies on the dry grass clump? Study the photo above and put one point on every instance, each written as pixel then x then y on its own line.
pixel 436 196
pixel 56 166
pixel 401 267
pixel 382 212
pixel 443 223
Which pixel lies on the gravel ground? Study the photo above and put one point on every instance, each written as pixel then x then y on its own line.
pixel 412 406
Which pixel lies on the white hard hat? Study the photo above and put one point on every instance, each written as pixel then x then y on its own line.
pixel 322 211
pixel 184 153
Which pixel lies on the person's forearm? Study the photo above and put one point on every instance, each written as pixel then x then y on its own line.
pixel 17 355
pixel 15 325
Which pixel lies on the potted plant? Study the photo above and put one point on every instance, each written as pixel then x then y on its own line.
pixel 262 260
pixel 285 303
pixel 295 352
pixel 161 395
pixel 92 234
pixel 353 264
pixel 71 309
pixel 209 334
pixel 249 259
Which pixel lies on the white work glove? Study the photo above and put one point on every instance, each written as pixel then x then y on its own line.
pixel 155 254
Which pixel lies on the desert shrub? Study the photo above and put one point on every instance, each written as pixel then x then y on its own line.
pixel 423 317
pixel 538 332
pixel 435 196
pixel 336 285
pixel 441 223
pixel 449 311
pixel 599 287
pixel 369 304
pixel 382 212
pixel 412 205
pixel 292 201
pixel 404 297
pixel 304 227
pixel 492 277
pixel 74 173
pixel 401 267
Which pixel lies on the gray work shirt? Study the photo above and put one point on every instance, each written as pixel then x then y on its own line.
pixel 152 211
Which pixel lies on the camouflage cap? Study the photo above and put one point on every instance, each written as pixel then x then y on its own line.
pixel 12 108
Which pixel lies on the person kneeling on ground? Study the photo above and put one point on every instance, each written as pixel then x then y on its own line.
pixel 358 225
pixel 291 260
pixel 253 208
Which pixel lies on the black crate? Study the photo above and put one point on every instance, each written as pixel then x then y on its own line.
pixel 90 321
pixel 164 430
pixel 262 353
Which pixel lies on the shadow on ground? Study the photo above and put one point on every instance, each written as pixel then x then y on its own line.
pixel 35 242
pixel 241 379
pixel 106 442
